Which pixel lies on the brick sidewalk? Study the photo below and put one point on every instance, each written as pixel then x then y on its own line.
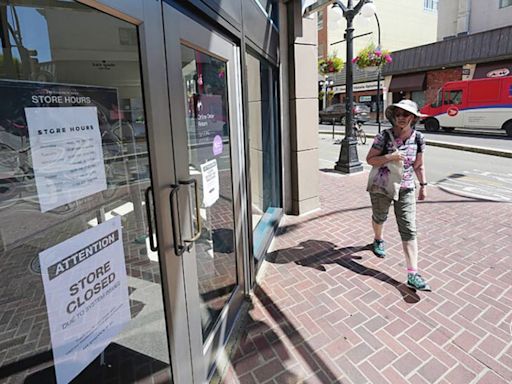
pixel 327 311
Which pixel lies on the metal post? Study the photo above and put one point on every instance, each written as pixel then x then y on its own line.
pixel 348 161
pixel 378 75
pixel 324 102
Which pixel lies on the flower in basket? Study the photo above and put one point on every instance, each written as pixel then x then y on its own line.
pixel 372 57
pixel 331 64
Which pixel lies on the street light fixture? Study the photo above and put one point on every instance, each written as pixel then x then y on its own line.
pixel 378 74
pixel 325 84
pixel 348 161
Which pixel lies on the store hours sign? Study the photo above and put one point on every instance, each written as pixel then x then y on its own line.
pixel 67 154
pixel 86 291
pixel 67 128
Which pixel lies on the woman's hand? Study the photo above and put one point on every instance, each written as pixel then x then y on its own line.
pixel 422 195
pixel 396 156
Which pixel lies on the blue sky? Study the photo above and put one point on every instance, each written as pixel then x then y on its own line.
pixel 34 32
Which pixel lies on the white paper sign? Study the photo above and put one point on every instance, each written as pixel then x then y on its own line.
pixel 86 293
pixel 67 158
pixel 210 176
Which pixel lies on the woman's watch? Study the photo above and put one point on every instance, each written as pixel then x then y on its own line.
pixel 423 184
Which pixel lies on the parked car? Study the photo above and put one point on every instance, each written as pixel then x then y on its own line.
pixel 336 113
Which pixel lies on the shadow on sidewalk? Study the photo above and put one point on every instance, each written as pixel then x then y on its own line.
pixel 286 228
pixel 302 347
pixel 318 253
pixel 270 349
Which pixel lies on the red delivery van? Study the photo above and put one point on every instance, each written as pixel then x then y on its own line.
pixel 472 104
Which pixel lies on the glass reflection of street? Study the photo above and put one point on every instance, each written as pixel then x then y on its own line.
pixel 208 139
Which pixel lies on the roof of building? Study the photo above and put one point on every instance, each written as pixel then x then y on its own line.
pixel 476 48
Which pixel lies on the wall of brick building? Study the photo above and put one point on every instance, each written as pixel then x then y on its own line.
pixel 436 79
pixel 323 44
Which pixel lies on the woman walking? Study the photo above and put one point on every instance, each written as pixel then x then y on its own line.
pixel 402 144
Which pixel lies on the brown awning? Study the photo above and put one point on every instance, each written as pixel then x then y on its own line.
pixel 497 69
pixel 411 82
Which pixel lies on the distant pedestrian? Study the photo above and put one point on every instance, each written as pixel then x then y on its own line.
pixel 401 143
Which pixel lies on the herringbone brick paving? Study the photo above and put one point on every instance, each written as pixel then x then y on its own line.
pixel 327 311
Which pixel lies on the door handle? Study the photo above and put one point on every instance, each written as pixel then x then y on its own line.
pixel 152 245
pixel 199 224
pixel 179 249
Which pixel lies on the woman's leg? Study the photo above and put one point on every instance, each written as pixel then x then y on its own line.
pixel 411 255
pixel 378 230
pixel 380 209
pixel 405 212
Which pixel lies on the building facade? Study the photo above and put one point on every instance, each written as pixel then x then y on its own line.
pixel 148 150
pixel 403 24
pixel 464 17
pixel 474 43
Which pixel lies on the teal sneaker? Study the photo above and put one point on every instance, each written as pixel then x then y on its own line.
pixel 414 280
pixel 378 248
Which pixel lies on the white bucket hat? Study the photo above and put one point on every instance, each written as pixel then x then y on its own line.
pixel 407 105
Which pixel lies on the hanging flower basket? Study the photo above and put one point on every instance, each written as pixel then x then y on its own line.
pixel 371 68
pixel 331 64
pixel 371 58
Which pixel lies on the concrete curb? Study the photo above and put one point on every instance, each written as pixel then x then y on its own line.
pixel 443 144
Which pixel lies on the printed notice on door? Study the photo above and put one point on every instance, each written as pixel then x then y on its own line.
pixel 210 176
pixel 65 143
pixel 86 291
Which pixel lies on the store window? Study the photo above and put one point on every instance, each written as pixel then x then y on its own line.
pixel 430 5
pixel 418 97
pixel 271 10
pixel 264 149
pixel 320 19
pixel 505 3
pixel 321 49
pixel 81 289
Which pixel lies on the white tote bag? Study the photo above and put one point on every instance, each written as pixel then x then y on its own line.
pixel 387 178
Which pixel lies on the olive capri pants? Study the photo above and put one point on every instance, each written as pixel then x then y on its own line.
pixel 405 212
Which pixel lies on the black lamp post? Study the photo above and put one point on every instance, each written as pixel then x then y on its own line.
pixel 348 161
pixel 378 75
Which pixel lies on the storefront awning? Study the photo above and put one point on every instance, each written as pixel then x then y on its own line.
pixel 497 69
pixel 406 83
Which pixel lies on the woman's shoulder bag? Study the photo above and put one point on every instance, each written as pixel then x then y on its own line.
pixel 387 178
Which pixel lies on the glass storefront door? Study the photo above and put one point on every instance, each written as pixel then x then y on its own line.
pixel 208 144
pixel 121 193
pixel 83 279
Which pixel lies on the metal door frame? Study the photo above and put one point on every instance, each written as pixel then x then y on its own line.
pixel 162 85
pixel 147 16
pixel 183 30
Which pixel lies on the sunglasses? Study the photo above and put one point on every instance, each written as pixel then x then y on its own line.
pixel 402 113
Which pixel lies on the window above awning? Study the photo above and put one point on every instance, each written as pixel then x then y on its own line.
pixel 406 83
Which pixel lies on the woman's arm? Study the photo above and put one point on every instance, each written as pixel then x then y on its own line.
pixel 419 170
pixel 375 159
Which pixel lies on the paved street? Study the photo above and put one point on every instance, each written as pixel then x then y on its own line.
pixel 328 311
pixel 487 139
pixel 460 172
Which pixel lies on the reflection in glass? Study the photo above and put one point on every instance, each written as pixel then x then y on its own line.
pixel 264 147
pixel 205 80
pixel 50 49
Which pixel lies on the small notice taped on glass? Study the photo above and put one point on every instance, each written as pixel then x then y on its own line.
pixel 67 157
pixel 210 175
